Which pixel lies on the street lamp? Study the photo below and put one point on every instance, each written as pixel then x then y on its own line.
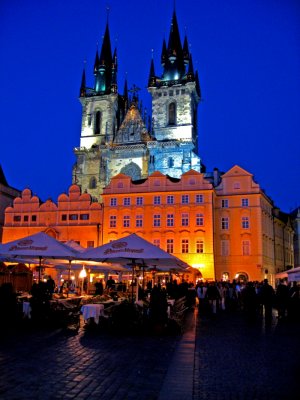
pixel 82 275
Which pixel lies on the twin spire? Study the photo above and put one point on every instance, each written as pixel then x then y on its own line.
pixel 176 61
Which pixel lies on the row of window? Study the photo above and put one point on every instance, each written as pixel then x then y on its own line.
pixel 157 220
pixel 245 223
pixel 244 203
pixel 185 245
pixel 157 200
pixel 170 221
pixel 171 92
pixel 199 246
pixel 18 218
pixel 64 217
pixel 225 248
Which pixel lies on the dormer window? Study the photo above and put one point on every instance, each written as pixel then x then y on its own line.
pixel 172 113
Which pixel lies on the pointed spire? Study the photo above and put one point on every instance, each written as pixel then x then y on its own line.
pixel 96 63
pixel 174 67
pixel 83 84
pixel 152 77
pixel 105 56
pixel 115 59
pixel 190 74
pixel 198 89
pixel 114 69
pixel 174 44
pixel 185 50
pixel 164 54
pixel 106 74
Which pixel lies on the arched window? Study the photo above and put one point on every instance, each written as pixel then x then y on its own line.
pixel 172 114
pixel 93 183
pixel 97 124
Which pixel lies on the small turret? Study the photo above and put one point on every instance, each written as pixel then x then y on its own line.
pixel 83 84
pixel 190 74
pixel 164 54
pixel 198 89
pixel 114 69
pixel 152 77
pixel 96 63
pixel 185 50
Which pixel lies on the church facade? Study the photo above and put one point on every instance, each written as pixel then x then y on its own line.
pixel 114 136
pixel 146 177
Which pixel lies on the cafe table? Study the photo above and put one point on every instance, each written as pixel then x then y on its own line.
pixel 92 311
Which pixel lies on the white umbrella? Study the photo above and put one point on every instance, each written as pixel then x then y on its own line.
pixel 40 246
pixel 134 250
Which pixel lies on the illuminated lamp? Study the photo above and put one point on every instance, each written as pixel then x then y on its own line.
pixel 198 266
pixel 82 275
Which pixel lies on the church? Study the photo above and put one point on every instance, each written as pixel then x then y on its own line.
pixel 139 174
pixel 116 138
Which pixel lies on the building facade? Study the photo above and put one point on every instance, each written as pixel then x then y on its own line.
pixel 224 226
pixel 74 217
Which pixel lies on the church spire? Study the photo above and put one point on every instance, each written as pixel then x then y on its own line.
pixel 174 68
pixel 185 50
pixel 190 74
pixel 96 63
pixel 164 54
pixel 105 68
pixel 105 55
pixel 83 84
pixel 152 77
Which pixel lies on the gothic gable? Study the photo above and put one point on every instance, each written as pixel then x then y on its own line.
pixel 132 170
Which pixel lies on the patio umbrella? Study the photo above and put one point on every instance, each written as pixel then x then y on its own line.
pixel 39 246
pixel 132 250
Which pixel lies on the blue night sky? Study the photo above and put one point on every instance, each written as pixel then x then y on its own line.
pixel 247 54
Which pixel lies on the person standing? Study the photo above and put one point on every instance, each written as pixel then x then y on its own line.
pixel 201 296
pixel 267 297
pixel 282 298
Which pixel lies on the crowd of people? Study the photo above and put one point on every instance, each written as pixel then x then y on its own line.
pixel 253 298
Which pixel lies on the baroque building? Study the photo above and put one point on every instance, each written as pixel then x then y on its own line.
pixel 114 137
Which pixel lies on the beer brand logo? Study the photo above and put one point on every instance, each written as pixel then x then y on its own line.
pixel 119 245
pixel 26 242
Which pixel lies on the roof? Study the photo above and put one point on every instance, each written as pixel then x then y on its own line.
pixel 3 180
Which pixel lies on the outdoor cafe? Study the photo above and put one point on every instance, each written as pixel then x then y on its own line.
pixel 128 283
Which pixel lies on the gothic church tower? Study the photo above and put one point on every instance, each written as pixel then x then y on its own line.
pixel 114 138
pixel 175 98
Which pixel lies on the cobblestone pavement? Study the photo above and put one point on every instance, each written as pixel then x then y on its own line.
pixel 90 365
pixel 229 359
pixel 238 360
